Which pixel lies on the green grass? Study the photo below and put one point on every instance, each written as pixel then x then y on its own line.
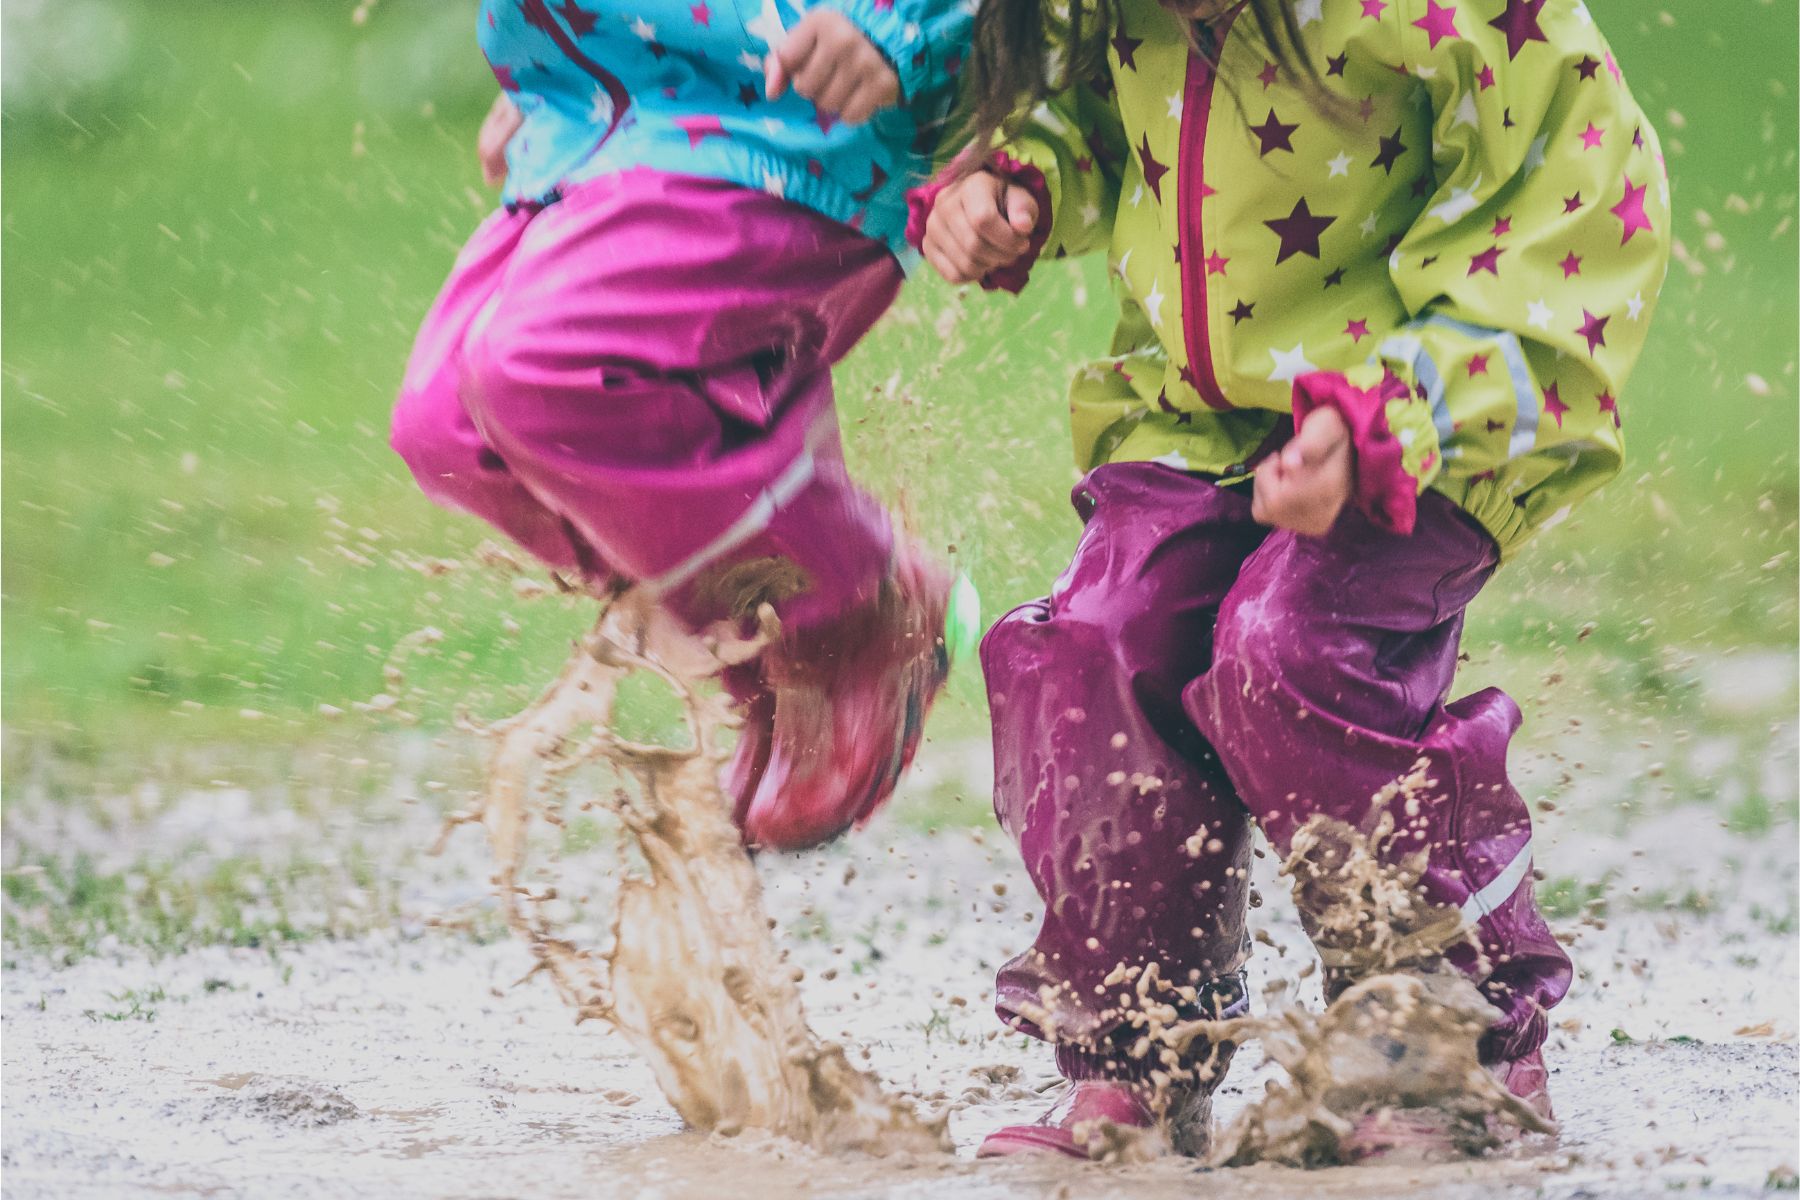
pixel 222 223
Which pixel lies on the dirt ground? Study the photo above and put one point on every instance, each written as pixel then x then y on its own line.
pixel 405 1062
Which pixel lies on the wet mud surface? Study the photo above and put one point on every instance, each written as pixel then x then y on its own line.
pixel 410 1062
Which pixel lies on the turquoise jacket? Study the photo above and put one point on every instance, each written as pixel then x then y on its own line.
pixel 677 85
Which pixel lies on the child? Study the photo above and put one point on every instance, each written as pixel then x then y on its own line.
pixel 1385 266
pixel 628 371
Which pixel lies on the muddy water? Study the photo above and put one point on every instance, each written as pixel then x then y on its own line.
pixel 693 977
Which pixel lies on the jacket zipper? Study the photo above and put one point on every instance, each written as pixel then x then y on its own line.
pixel 1190 190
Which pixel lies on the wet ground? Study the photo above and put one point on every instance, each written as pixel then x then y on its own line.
pixel 403 1061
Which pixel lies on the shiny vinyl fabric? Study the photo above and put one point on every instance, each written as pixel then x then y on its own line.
pixel 1192 671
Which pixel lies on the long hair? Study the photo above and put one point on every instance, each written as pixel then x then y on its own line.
pixel 1024 52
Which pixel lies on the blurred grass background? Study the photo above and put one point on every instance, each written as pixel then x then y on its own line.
pixel 223 222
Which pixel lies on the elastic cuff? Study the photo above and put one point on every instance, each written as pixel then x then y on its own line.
pixel 1013 276
pixel 1384 491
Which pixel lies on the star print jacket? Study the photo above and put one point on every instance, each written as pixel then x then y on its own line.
pixel 1462 258
pixel 677 85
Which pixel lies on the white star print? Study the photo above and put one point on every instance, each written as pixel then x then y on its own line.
pixel 1466 113
pixel 1175 106
pixel 1124 263
pixel 1369 226
pixel 1539 315
pixel 1137 197
pixel 1581 11
pixel 1172 459
pixel 1634 307
pixel 1339 165
pixel 1153 302
pixel 1307 11
pixel 1290 364
pixel 766 25
pixel 643 29
pixel 1046 116
pixel 1461 203
pixel 1425 72
pixel 773 184
pixel 1090 213
pixel 1534 154
pixel 600 112
pixel 751 61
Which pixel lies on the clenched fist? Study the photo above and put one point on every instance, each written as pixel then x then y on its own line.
pixel 979 224
pixel 830 62
pixel 1306 485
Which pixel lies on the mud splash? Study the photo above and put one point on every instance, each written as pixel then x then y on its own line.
pixel 1397 1045
pixel 693 978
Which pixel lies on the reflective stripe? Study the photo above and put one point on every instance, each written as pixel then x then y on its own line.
pixel 1525 402
pixel 1498 892
pixel 1412 351
pixel 790 483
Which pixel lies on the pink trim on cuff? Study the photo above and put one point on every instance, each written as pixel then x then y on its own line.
pixel 1385 493
pixel 1011 277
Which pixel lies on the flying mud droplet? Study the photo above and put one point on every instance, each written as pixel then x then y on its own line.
pixel 693 977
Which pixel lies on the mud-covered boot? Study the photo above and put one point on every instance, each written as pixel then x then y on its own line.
pixel 1427 1134
pixel 1108 1118
pixel 1086 1120
pixel 850 701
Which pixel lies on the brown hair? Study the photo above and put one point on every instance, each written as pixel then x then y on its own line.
pixel 1011 63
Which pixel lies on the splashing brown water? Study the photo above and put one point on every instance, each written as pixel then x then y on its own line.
pixel 1402 1037
pixel 693 978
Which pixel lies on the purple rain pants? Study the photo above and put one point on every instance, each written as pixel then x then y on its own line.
pixel 1195 670
pixel 635 383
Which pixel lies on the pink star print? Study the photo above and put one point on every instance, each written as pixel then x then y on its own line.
pixel 1488 260
pixel 1373 9
pixel 1571 265
pixel 1477 365
pixel 699 129
pixel 1590 137
pixel 1609 406
pixel 1438 22
pixel 1357 329
pixel 1593 329
pixel 1215 263
pixel 1630 210
pixel 1553 404
pixel 701 14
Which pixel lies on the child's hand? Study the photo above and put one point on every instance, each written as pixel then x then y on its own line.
pixel 1305 486
pixel 503 120
pixel 831 63
pixel 977 225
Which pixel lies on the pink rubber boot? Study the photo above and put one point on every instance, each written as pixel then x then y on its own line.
pixel 1425 1134
pixel 850 700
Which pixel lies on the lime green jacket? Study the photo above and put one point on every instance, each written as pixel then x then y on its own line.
pixel 1463 258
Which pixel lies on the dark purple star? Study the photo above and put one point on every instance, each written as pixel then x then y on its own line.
pixel 1391 150
pixel 1153 170
pixel 581 22
pixel 1299 232
pixel 1125 47
pixel 1243 312
pixel 1274 135
pixel 1520 25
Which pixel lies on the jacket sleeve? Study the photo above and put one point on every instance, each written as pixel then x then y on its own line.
pixel 1529 274
pixel 1070 154
pixel 925 40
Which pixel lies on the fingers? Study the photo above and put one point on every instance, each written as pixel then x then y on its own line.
pixel 497 129
pixel 828 60
pixel 1021 210
pixel 1306 499
pixel 969 232
pixel 982 218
